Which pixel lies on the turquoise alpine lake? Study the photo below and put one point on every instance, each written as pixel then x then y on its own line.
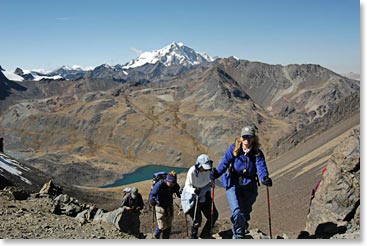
pixel 143 173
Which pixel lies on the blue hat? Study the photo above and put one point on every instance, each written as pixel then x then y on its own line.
pixel 172 177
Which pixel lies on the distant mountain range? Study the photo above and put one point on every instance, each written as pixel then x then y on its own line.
pixel 175 54
pixel 148 65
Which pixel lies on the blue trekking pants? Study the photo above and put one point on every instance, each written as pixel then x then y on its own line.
pixel 241 199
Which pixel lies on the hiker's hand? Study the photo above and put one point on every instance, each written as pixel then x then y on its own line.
pixel 267 181
pixel 214 174
pixel 197 191
pixel 153 202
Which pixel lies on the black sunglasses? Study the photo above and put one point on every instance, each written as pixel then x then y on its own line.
pixel 248 137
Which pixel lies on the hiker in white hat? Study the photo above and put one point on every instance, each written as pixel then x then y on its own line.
pixel 196 198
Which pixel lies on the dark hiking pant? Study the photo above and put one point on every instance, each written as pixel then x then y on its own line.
pixel 203 208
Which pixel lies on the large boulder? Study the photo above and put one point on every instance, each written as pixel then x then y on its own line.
pixel 15 193
pixel 87 214
pixel 63 204
pixel 335 208
pixel 122 219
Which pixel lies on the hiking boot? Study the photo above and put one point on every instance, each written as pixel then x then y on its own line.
pixel 166 233
pixel 237 236
pixel 194 232
pixel 157 233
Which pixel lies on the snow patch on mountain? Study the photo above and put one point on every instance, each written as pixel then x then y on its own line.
pixel 39 77
pixel 12 167
pixel 12 76
pixel 75 67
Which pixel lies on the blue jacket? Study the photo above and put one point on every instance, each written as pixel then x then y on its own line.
pixel 253 163
pixel 164 194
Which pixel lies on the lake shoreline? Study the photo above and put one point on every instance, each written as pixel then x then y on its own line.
pixel 142 173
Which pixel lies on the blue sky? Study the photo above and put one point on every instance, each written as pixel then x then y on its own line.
pixel 49 34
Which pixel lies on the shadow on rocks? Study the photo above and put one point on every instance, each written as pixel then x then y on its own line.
pixel 323 231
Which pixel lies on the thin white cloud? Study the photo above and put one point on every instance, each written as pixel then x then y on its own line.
pixel 137 51
pixel 65 18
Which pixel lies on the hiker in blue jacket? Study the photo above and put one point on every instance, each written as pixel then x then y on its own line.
pixel 161 198
pixel 246 164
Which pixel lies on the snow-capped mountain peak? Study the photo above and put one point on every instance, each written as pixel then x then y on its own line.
pixel 75 67
pixel 174 54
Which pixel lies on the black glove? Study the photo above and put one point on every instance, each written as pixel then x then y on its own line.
pixel 267 181
pixel 181 189
pixel 153 202
pixel 214 174
pixel 197 191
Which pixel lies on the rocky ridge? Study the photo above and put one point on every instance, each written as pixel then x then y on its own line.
pixel 335 209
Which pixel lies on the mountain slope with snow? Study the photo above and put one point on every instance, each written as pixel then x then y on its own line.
pixel 12 76
pixel 173 54
pixel 65 72
pixel 70 73
pixel 13 167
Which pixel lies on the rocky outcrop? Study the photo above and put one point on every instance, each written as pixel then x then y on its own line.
pixel 63 204
pixel 124 220
pixel 14 193
pixel 51 189
pixel 335 209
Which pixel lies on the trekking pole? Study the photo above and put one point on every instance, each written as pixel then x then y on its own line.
pixel 196 207
pixel 154 219
pixel 212 209
pixel 187 229
pixel 267 194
